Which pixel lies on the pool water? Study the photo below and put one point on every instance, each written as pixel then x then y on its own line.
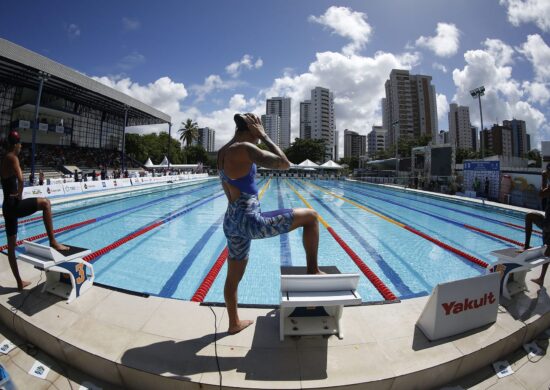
pixel 176 236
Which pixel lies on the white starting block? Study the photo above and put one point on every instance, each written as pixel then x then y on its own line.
pixel 313 304
pixel 65 273
pixel 512 262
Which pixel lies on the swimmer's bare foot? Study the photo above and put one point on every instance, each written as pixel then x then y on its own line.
pixel 21 285
pixel 243 324
pixel 59 247
pixel 538 281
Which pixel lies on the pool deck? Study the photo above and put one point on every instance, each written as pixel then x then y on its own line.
pixel 144 343
pixel 128 341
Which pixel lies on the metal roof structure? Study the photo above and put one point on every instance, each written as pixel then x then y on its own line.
pixel 22 67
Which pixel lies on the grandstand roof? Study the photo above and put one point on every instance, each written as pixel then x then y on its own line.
pixel 20 66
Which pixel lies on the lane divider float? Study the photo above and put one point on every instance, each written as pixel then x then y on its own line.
pixel 371 276
pixel 441 244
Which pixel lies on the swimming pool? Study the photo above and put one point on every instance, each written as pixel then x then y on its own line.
pixel 167 242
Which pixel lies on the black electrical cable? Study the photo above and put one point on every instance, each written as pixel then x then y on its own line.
pixel 216 344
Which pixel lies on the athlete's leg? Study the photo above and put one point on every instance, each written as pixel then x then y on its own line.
pixel 45 205
pixel 235 272
pixel 530 219
pixel 307 218
pixel 12 243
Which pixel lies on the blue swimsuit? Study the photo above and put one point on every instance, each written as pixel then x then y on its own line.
pixel 244 220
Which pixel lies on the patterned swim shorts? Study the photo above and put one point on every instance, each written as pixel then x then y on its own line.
pixel 244 222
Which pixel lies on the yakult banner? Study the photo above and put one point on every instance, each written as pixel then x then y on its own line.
pixel 34 192
pixel 72 188
pixel 456 307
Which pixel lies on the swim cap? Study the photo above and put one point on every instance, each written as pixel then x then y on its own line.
pixel 14 138
pixel 240 122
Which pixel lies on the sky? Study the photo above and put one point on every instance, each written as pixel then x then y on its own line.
pixel 207 60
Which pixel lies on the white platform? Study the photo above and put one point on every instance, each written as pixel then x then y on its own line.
pixel 514 265
pixel 66 276
pixel 328 292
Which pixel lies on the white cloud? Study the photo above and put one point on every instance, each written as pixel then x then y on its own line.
pixel 211 84
pixel 130 61
pixel 538 92
pixel 348 24
pixel 538 53
pixel 445 43
pixel 247 62
pixel 505 97
pixel 500 51
pixel 438 66
pixel 130 24
pixel 442 107
pixel 164 94
pixel 73 31
pixel 526 11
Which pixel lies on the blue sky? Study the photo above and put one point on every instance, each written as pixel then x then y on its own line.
pixel 209 59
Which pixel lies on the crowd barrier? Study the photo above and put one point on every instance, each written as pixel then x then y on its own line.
pixel 72 188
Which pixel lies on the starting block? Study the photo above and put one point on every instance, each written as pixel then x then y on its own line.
pixel 313 304
pixel 66 274
pixel 514 265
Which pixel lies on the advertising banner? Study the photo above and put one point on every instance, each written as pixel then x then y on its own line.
pixel 120 183
pixel 90 186
pixel 34 192
pixel 60 129
pixel 43 126
pixel 72 188
pixel 24 124
pixel 54 190
pixel 483 177
pixel 459 306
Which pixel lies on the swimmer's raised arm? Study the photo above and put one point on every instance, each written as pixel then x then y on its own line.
pixel 274 158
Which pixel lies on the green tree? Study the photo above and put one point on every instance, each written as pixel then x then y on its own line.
pixel 466 154
pixel 534 154
pixel 302 149
pixel 351 162
pixel 196 154
pixel 189 132
pixel 406 143
pixel 135 148
pixel 153 146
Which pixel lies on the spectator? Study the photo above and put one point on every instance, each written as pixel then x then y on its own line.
pixel 94 175
pixel 40 178
pixel 31 179
pixel 76 175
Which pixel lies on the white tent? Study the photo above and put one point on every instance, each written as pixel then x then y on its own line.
pixel 167 164
pixel 308 164
pixel 331 165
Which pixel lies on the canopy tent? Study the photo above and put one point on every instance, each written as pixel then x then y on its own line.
pixel 307 163
pixel 166 164
pixel 331 165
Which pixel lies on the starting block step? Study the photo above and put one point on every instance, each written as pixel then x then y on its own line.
pixel 67 274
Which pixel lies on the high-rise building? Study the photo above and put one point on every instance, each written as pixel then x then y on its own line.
pixel 460 129
pixel 376 140
pixel 410 107
pixel 355 145
pixel 322 109
pixel 280 106
pixel 498 140
pixel 520 146
pixel 528 142
pixel 336 145
pixel 442 138
pixel 473 132
pixel 207 138
pixel 305 119
pixel 272 126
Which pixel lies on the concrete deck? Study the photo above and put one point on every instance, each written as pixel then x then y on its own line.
pixel 145 343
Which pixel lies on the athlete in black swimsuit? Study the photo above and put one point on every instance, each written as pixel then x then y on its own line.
pixel 15 207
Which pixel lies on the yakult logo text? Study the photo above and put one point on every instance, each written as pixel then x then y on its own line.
pixel 455 307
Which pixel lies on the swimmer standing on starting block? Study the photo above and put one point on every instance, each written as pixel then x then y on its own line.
pixel 244 220
pixel 14 206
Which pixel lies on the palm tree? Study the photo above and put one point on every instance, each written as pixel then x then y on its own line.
pixel 189 132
